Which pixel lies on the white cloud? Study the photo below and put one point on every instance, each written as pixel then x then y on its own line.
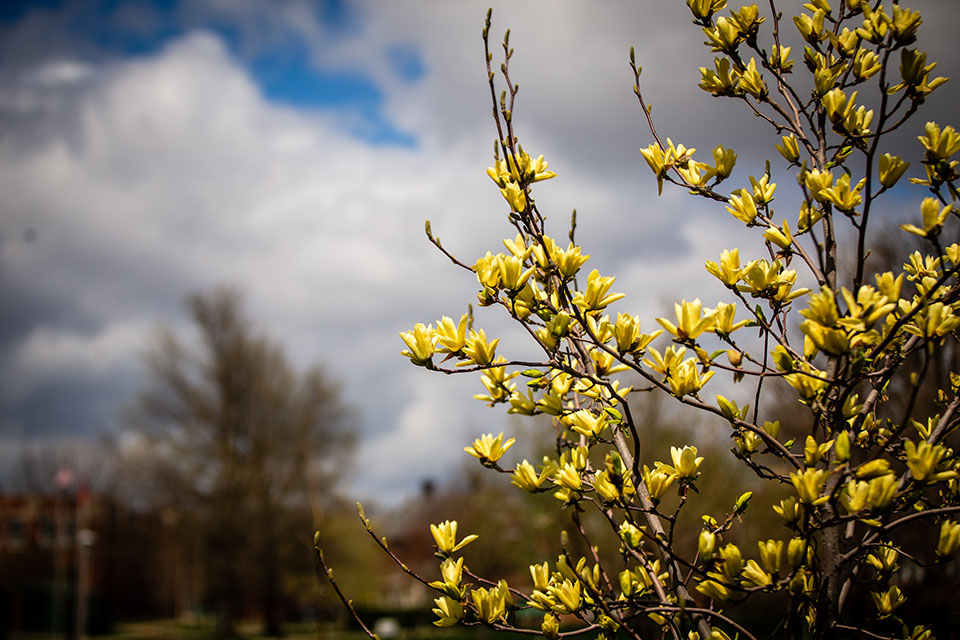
pixel 148 178
pixel 49 352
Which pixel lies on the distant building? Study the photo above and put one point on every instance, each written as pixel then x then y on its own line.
pixel 72 552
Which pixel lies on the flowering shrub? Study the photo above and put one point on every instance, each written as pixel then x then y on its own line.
pixel 868 466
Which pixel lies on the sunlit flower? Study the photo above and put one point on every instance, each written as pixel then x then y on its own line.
pixel 489 449
pixel 445 536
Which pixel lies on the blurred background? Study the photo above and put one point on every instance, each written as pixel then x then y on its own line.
pixel 211 231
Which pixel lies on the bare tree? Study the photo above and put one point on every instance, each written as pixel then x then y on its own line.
pixel 243 448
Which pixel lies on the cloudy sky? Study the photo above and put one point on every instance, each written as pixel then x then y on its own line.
pixel 294 149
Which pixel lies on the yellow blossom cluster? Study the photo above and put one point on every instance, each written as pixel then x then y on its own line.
pixel 868 442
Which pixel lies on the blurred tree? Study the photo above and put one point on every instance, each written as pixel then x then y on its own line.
pixel 243 448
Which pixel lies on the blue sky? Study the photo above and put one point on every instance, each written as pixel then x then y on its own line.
pixel 277 57
pixel 294 149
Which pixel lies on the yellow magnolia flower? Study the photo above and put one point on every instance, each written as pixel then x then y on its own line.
pixel 445 537
pixel 452 573
pixel 685 378
pixel 690 323
pixel 790 150
pixel 487 269
pixel 728 271
pixel 489 449
pixel 448 610
pixel 892 169
pixel 763 279
pixel 522 404
pixel 809 484
pixel 754 576
pixel 813 452
pixel 723 318
pixel 874 469
pixel 420 343
pixel 817 181
pixel 940 144
pixel 771 551
pixel 809 216
pixel 763 189
pixel 742 206
pixel 514 195
pixel 933 218
pixel 724 161
pixel 875 25
pixel 497 382
pixel 596 298
pixel 779 236
pixel 811 27
pixel 915 73
pixel 586 423
pixel 669 360
pixel 713 590
pixel 520 168
pixel 606 489
pixel 866 64
pixel 605 364
pixel 541 576
pixel 631 535
pixel 719 81
pixel 686 464
pixel 936 320
pixel 796 552
pixel 949 540
pixel 847 41
pixel 854 496
pixel 884 559
pixel 922 460
pixel 780 58
pixel 567 596
pixel 919 266
pixel 628 337
pixel 658 162
pixel 478 349
pixel 490 604
pixel 526 477
pixel 635 583
pixel 706 544
pixel 905 24
pixel 568 477
pixel 789 510
pixel 695 174
pixel 827 339
pixel 807 382
pixel 657 481
pixel 842 196
pixel 512 274
pixel 822 308
pixel 550 627
pixel 881 491
pixel 518 247
pixel 752 82
pixel 887 601
pixel 451 338
pixel 725 36
pixel 866 309
pixel 568 261
pixel 704 9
